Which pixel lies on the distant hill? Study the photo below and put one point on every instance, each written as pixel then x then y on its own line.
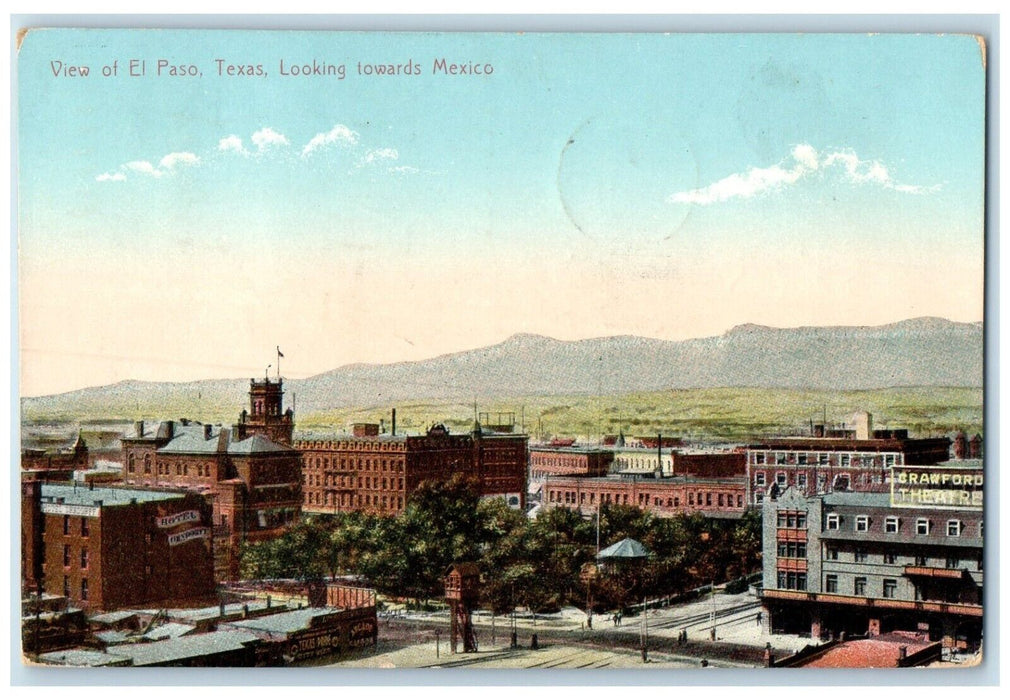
pixel 917 352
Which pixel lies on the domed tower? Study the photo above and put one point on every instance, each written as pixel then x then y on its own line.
pixel 266 415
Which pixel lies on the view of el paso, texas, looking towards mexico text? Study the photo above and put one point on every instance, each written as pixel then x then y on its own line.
pixel 501 350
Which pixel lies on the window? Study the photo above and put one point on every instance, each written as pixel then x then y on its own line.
pixel 859 556
pixel 759 478
pixel 890 558
pixel 85 527
pixel 84 589
pixel 781 519
pixel 831 553
pixel 833 521
pixel 66 586
pixel 831 583
pixel 792 580
pixel 922 526
pixel 759 498
pixel 846 460
pixel 890 588
pixel 66 555
pixel 801 480
pixel 66 524
pixel 862 523
pixel 84 559
pixel 780 458
pixel 859 585
pixel 781 479
pixel 921 560
pixel 953 562
pixel 759 458
pixel 953 528
pixel 891 524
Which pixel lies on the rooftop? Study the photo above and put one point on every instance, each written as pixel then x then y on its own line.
pixel 878 652
pixel 86 495
pixel 180 648
pixel 284 623
pixel 83 657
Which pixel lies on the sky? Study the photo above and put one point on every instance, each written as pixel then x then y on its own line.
pixel 177 227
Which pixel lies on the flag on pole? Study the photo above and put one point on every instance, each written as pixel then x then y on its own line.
pixel 279 353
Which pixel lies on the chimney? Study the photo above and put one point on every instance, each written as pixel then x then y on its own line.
pixel 170 429
pixel 382 426
pixel 863 425
pixel 206 431
pixel 769 657
pixel 392 430
pixel 139 427
pixel 902 652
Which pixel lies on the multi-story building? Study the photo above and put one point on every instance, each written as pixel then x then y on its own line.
pixel 376 473
pixel 858 459
pixel 252 481
pixel 870 563
pixel 107 548
pixel 547 460
pixel 712 497
pixel 704 463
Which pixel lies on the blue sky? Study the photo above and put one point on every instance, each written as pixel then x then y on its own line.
pixel 663 185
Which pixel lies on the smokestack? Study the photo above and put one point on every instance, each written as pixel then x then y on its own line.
pixel 139 427
pixel 393 426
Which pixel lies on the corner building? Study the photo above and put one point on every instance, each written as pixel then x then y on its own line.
pixel 108 548
pixel 852 563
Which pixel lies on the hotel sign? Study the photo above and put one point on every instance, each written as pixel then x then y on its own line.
pixel 195 533
pixel 932 487
pixel 187 516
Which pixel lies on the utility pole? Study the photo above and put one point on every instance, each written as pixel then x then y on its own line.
pixel 712 617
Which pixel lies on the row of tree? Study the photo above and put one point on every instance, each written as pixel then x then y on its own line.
pixel 540 564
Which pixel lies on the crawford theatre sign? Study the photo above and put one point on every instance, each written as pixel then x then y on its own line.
pixel 925 487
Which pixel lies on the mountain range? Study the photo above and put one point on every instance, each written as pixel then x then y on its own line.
pixel 917 352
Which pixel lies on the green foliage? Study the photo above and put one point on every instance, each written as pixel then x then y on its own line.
pixel 538 564
pixel 730 414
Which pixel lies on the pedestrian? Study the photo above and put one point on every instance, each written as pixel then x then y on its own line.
pixel 758 618
pixel 589 621
pixel 615 619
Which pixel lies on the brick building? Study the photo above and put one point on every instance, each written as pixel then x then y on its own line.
pixel 252 481
pixel 105 548
pixel 51 459
pixel 547 461
pixel 664 497
pixel 377 473
pixel 705 463
pixel 858 459
pixel 854 563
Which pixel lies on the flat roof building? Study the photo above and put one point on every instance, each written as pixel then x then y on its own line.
pixel 860 564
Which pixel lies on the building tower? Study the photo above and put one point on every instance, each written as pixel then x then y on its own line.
pixel 266 415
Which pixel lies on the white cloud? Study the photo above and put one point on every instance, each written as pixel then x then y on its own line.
pixel 144 167
pixel 379 154
pixel 231 143
pixel 111 177
pixel 179 158
pixel 339 134
pixel 407 169
pixel 802 161
pixel 266 138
